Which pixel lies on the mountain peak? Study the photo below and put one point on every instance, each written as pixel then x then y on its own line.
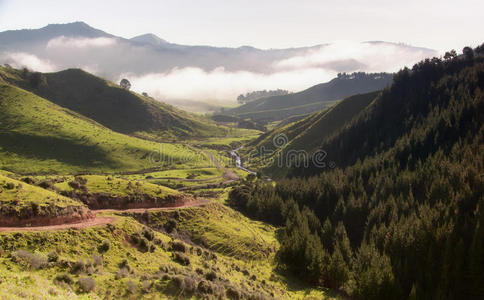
pixel 78 28
pixel 149 38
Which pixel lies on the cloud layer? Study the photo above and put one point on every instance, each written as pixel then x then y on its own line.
pixel 294 74
pixel 70 42
pixel 20 60
pixel 212 74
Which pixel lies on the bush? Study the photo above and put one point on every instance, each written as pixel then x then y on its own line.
pixel 232 293
pixel 35 261
pixel 205 287
pixel 10 186
pixel 211 275
pixel 78 267
pixel 135 238
pixel 144 244
pixel 74 185
pixel 86 284
pixel 178 246
pixel 131 286
pixel 97 260
pixel 148 234
pixel 170 226
pixel 181 259
pixel 53 256
pixel 104 247
pixel 66 278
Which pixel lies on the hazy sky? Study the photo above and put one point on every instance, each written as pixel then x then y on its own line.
pixel 440 25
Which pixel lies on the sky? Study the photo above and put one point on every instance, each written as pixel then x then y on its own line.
pixel 440 25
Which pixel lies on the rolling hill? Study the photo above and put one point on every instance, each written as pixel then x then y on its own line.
pixel 38 136
pixel 307 134
pixel 111 105
pixel 313 99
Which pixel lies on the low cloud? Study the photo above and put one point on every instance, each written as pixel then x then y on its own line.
pixel 26 60
pixel 220 85
pixel 294 74
pixel 70 42
pixel 349 56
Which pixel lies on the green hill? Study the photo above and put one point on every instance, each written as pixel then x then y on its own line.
pixel 111 105
pixel 307 134
pixel 22 204
pixel 38 136
pixel 313 99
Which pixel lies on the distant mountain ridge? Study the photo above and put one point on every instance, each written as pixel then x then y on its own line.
pixel 156 54
pixel 313 99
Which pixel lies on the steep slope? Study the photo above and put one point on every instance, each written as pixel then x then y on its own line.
pixel 405 198
pixel 39 136
pixel 314 98
pixel 22 204
pixel 305 135
pixel 113 106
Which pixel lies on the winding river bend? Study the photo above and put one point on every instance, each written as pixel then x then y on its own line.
pixel 238 161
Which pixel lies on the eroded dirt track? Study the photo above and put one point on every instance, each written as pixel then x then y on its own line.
pixel 100 220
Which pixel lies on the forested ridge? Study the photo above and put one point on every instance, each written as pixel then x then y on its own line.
pixel 401 217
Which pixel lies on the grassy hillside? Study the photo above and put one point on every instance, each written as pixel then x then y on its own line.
pixel 307 134
pixel 111 105
pixel 22 203
pixel 38 136
pixel 312 99
pixel 129 260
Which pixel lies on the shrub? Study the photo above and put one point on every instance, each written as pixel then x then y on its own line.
pixel 211 275
pixel 46 184
pixel 86 284
pixel 35 261
pixel 190 285
pixel 144 244
pixel 104 247
pixel 78 267
pixel 53 256
pixel 232 293
pixel 122 272
pixel 178 246
pixel 148 234
pixel 124 264
pixel 10 186
pixel 97 260
pixel 205 287
pixel 66 278
pixel 170 226
pixel 74 184
pixel 146 286
pixel 131 286
pixel 135 238
pixel 181 259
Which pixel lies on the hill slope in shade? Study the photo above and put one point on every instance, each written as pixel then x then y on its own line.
pixel 39 136
pixel 312 99
pixel 405 197
pixel 308 134
pixel 113 106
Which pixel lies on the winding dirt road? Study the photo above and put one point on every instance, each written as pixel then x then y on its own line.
pixel 101 220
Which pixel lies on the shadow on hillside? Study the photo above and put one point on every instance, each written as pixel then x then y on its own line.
pixel 45 147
